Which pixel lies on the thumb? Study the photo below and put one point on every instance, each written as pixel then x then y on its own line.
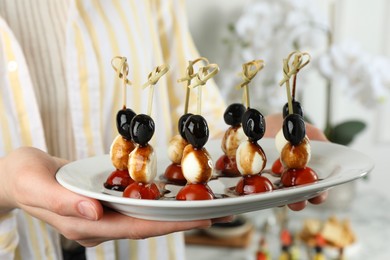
pixel 77 205
pixel 67 203
pixel 37 188
pixel 63 202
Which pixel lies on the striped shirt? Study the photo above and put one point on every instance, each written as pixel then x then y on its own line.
pixel 59 93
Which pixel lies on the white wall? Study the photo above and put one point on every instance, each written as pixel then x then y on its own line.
pixel 364 21
pixel 208 20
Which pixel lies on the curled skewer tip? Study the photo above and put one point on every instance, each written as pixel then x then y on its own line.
pixel 155 75
pixel 190 74
pixel 120 66
pixel 301 59
pixel 291 69
pixel 153 78
pixel 204 74
pixel 249 71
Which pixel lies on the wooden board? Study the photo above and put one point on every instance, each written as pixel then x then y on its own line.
pixel 202 238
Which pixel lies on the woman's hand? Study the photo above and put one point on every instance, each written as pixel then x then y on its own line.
pixel 274 123
pixel 28 182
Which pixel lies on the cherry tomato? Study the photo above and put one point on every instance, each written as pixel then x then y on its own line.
pixel 250 184
pixel 262 256
pixel 174 174
pixel 139 190
pixel 227 166
pixel 295 177
pixel 220 164
pixel 195 191
pixel 277 167
pixel 118 180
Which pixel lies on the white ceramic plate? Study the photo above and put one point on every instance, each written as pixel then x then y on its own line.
pixel 335 165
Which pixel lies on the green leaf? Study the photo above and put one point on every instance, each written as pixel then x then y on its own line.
pixel 231 28
pixel 345 132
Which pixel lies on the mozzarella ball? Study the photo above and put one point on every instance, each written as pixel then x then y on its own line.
pixel 119 152
pixel 280 141
pixel 250 158
pixel 233 137
pixel 142 164
pixel 296 156
pixel 175 148
pixel 196 165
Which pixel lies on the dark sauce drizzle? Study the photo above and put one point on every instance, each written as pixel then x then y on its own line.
pixel 229 192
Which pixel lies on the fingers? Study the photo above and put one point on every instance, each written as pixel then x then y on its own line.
pixel 315 201
pixel 319 199
pixel 297 206
pixel 314 133
pixel 47 194
pixel 34 185
pixel 113 225
pixel 274 123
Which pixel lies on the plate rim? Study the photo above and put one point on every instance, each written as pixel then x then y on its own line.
pixel 277 194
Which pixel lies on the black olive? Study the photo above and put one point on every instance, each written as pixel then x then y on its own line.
pixel 233 114
pixel 142 129
pixel 297 109
pixel 253 124
pixel 196 131
pixel 123 120
pixel 294 129
pixel 182 121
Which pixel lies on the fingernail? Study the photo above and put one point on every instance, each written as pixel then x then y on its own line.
pixel 87 210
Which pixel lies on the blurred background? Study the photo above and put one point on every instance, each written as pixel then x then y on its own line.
pixel 349 41
pixel 345 90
